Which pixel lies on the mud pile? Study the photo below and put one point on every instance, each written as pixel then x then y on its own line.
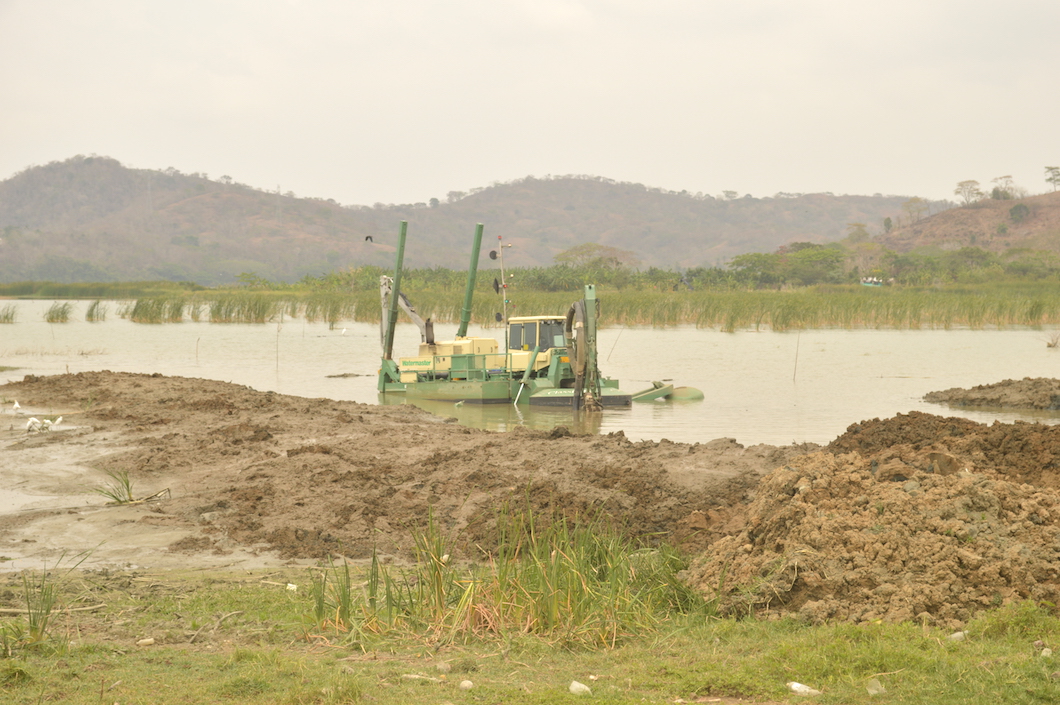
pixel 1027 393
pixel 309 478
pixel 916 517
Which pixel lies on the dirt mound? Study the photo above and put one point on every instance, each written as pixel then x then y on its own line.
pixel 1027 393
pixel 1019 452
pixel 312 477
pixel 916 517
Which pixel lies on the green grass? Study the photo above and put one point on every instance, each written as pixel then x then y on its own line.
pixel 584 587
pixel 59 312
pixel 156 309
pixel 7 313
pixel 261 654
pixel 825 306
pixel 97 312
pixel 118 488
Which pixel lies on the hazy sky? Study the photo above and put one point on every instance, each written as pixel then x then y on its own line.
pixel 398 101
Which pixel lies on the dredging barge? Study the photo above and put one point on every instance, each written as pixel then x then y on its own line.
pixel 547 360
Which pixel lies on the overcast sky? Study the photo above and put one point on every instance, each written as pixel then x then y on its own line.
pixel 399 101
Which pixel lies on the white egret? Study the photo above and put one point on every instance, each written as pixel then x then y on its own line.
pixel 33 425
pixel 17 408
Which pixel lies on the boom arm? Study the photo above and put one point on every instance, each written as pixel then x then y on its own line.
pixel 386 290
pixel 580 332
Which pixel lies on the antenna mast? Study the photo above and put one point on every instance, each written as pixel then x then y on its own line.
pixel 501 287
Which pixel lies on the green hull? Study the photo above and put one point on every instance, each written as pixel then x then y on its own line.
pixel 502 391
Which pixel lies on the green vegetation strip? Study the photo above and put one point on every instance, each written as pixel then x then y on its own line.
pixel 813 307
pixel 243 639
pixel 552 605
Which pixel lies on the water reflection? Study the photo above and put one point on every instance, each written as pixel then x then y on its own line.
pixel 505 417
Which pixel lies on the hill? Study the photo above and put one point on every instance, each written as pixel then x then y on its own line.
pixel 993 225
pixel 92 219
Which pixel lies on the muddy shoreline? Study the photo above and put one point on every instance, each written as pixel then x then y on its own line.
pixel 259 478
pixel 915 517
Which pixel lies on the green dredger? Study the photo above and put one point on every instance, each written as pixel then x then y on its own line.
pixel 547 361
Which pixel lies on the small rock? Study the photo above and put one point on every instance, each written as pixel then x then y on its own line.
pixel 1047 652
pixel 577 688
pixel 957 636
pixel 800 689
pixel 466 685
pixel 145 642
pixel 875 687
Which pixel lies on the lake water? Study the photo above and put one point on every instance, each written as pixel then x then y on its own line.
pixel 760 387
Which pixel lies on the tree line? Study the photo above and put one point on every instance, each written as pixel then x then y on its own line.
pixel 797 265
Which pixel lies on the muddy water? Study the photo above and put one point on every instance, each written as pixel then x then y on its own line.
pixel 761 387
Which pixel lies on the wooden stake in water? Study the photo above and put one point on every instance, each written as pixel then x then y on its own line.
pixel 798 337
pixel 279 327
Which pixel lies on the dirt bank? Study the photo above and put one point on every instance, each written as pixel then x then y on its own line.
pixel 256 476
pixel 1027 393
pixel 916 517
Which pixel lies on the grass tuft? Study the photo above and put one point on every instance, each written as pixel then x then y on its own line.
pixel 582 586
pixel 119 489
pixel 59 312
pixel 97 312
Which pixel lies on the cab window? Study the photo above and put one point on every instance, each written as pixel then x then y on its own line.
pixel 548 335
pixel 529 336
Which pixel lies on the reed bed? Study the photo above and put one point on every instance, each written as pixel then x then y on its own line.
pixel 244 307
pixel 59 312
pixel 7 313
pixel 824 307
pixel 333 307
pixel 97 312
pixel 158 309
pixel 574 586
pixel 850 307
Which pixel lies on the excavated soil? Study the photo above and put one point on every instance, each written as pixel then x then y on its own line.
pixel 1027 393
pixel 917 517
pixel 257 475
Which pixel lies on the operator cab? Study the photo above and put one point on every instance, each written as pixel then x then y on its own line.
pixel 542 332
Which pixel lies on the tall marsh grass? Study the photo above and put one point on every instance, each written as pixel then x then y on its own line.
pixel 7 313
pixel 59 312
pixel 97 312
pixel 158 309
pixel 571 585
pixel 833 306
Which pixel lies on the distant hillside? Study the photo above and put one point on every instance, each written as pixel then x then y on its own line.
pixel 91 219
pixel 994 225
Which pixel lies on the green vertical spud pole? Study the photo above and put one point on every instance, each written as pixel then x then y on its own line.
pixel 392 314
pixel 472 272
